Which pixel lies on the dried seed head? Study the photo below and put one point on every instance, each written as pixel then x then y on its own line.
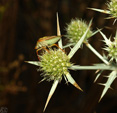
pixel 76 29
pixel 54 64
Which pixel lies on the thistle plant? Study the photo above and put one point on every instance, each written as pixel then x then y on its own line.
pixel 55 63
pixel 111 9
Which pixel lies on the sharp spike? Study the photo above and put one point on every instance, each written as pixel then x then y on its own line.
pixel 77 86
pixel 107 41
pixel 100 10
pixel 66 80
pixel 59 32
pixel 41 80
pixel 58 27
pixel 104 92
pixel 107 85
pixel 72 81
pixel 106 76
pixel 102 84
pixel 33 62
pixel 97 71
pixel 97 75
pixel 114 21
pixel 51 93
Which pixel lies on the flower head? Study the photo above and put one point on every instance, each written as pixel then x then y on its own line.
pixel 111 48
pixel 75 30
pixel 112 7
pixel 54 64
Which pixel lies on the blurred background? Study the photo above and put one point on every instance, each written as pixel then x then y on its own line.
pixel 22 22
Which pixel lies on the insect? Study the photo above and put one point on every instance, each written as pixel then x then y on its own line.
pixel 47 41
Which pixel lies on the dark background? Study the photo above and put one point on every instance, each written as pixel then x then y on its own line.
pixel 22 22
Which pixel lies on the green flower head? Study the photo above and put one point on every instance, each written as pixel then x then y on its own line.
pixel 75 30
pixel 111 48
pixel 112 7
pixel 54 64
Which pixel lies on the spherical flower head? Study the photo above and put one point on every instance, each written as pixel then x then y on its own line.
pixel 112 7
pixel 75 30
pixel 112 49
pixel 54 64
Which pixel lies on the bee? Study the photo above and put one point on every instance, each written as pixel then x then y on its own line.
pixel 47 41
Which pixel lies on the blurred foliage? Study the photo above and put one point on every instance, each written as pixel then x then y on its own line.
pixel 2 10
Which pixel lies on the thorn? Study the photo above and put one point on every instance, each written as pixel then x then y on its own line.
pixel 51 93
pixel 97 71
pixel 100 10
pixel 58 27
pixel 114 21
pixel 66 80
pixel 102 84
pixel 99 99
pixel 41 80
pixel 59 32
pixel 77 86
pixel 95 80
pixel 111 88
pixel 48 99
pixel 33 62
pixel 72 81
pixel 106 76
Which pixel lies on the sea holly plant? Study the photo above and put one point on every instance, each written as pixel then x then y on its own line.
pixel 55 63
pixel 73 35
pixel 111 64
pixel 74 31
pixel 111 9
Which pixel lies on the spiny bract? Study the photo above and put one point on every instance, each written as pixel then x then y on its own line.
pixel 75 30
pixel 54 64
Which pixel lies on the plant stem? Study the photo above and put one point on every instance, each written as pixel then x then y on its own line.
pixel 77 67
